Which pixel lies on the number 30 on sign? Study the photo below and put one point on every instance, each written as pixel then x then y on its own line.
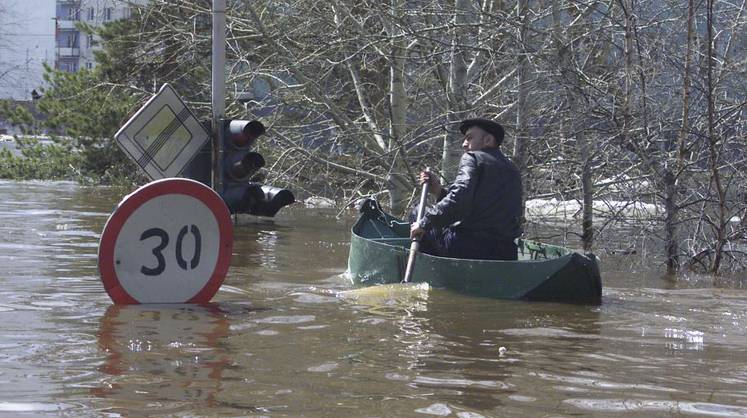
pixel 168 242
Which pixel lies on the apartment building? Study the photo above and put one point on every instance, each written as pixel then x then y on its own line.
pixel 74 49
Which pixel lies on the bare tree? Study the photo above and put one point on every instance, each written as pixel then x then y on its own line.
pixel 608 105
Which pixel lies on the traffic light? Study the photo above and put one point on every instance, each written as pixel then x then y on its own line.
pixel 239 164
pixel 272 200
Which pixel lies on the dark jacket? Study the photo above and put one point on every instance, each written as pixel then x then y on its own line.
pixel 484 200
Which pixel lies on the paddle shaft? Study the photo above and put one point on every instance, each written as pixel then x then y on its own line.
pixel 415 245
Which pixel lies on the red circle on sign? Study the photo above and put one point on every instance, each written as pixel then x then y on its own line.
pixel 132 202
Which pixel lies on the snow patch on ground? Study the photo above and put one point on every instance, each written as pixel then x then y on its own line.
pixel 539 209
pixel 564 209
pixel 319 202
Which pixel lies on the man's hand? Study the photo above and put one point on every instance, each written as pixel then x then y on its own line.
pixel 434 184
pixel 416 232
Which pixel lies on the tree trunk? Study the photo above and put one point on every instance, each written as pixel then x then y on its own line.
pixel 713 153
pixel 521 140
pixel 670 222
pixel 670 179
pixel 398 183
pixel 587 184
pixel 397 92
pixel 571 82
pixel 627 51
pixel 456 92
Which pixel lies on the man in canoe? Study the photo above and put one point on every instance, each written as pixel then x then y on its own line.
pixel 478 215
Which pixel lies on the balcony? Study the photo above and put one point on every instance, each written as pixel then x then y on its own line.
pixel 68 52
pixel 63 24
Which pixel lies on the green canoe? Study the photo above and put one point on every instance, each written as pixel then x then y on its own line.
pixel 380 244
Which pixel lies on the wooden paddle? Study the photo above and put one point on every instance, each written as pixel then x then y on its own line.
pixel 415 245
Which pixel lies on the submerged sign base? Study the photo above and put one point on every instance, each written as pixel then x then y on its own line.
pixel 168 242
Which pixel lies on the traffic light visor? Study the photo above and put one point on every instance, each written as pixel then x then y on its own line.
pixel 241 167
pixel 243 133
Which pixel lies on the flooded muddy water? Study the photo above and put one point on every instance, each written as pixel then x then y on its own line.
pixel 278 340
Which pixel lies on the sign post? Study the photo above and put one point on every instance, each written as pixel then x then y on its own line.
pixel 168 242
pixel 218 89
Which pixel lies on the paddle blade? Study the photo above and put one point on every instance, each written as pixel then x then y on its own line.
pixel 387 294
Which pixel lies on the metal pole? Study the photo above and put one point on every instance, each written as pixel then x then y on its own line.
pixel 218 89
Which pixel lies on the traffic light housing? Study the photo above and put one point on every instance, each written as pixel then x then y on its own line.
pixel 237 166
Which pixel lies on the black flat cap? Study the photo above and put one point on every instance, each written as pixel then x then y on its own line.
pixel 493 128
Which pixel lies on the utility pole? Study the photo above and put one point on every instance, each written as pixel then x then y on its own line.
pixel 218 89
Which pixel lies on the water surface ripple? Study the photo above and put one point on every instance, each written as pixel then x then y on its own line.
pixel 278 341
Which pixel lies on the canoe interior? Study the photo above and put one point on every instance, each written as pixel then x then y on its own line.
pixel 389 230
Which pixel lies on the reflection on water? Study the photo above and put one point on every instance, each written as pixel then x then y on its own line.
pixel 137 340
pixel 284 338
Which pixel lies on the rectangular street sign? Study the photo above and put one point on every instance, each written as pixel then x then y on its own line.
pixel 163 136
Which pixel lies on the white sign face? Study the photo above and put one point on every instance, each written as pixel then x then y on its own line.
pixel 167 247
pixel 163 136
pixel 168 242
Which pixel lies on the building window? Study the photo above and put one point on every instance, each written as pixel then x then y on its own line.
pixel 72 41
pixel 90 41
pixel 69 67
pixel 91 13
pixel 89 65
pixel 73 14
pixel 108 14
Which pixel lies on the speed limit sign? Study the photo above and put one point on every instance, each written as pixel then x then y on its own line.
pixel 168 242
